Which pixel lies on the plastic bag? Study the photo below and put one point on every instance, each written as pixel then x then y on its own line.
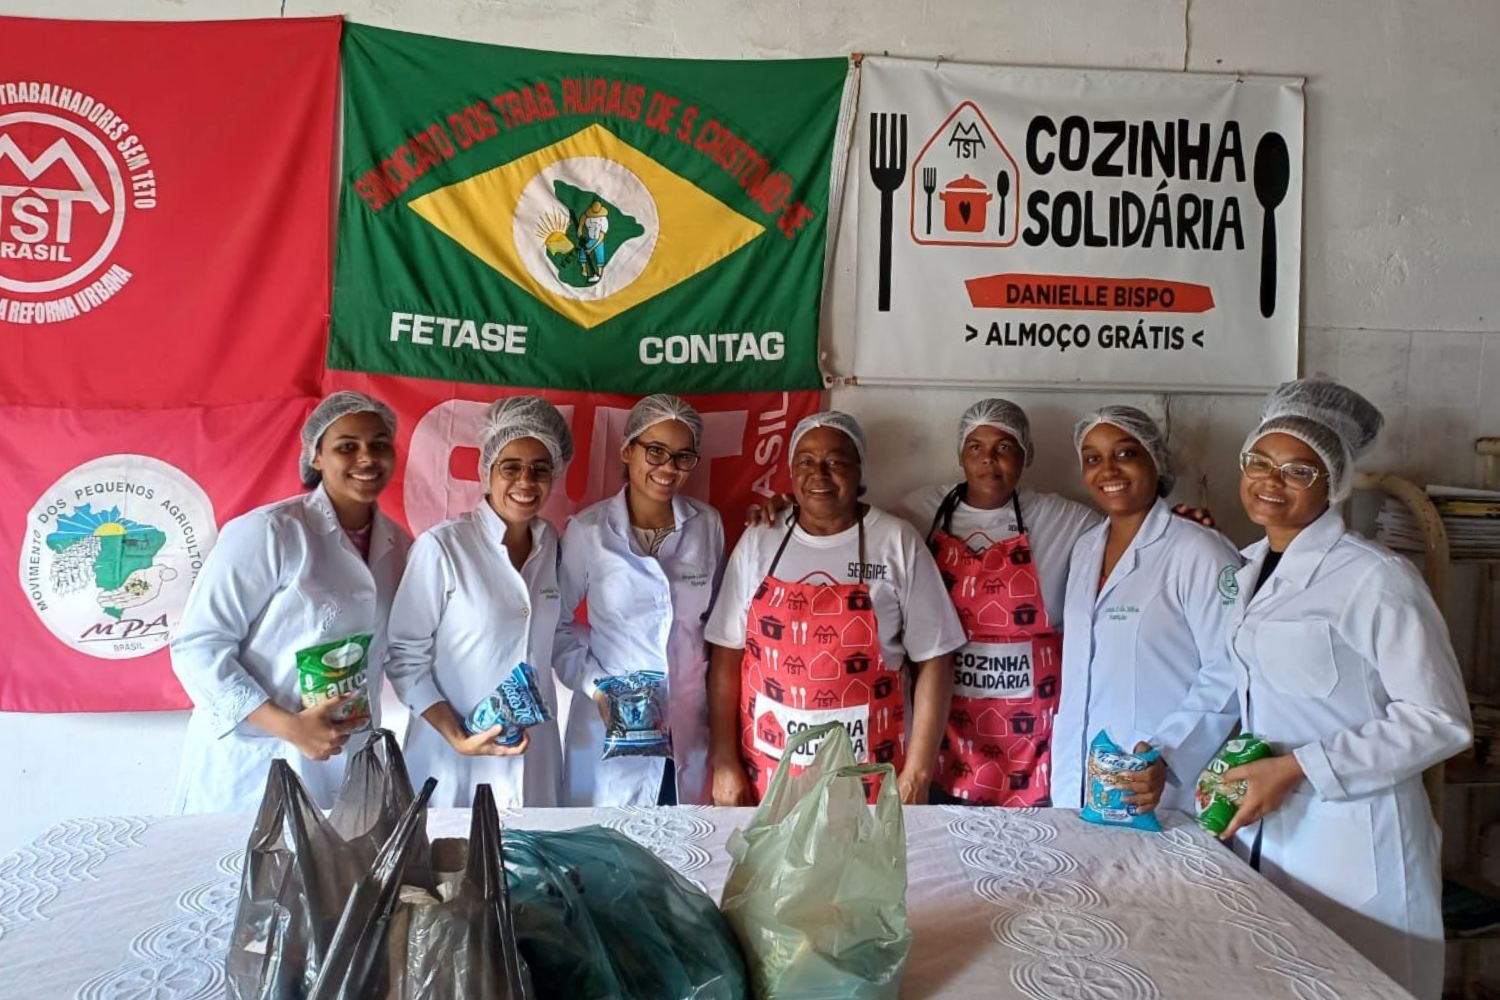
pixel 355 966
pixel 817 892
pixel 1218 802
pixel 465 947
pixel 1102 801
pixel 517 704
pixel 637 715
pixel 375 793
pixel 298 873
pixel 598 916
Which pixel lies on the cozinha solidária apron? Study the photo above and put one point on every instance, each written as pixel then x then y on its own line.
pixel 812 655
pixel 996 748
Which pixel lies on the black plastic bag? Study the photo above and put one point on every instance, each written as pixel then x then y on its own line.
pixel 598 916
pixel 375 793
pixel 355 967
pixel 298 873
pixel 466 947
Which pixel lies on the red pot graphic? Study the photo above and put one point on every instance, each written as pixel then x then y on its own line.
pixel 965 205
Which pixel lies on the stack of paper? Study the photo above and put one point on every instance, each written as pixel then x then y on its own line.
pixel 1471 518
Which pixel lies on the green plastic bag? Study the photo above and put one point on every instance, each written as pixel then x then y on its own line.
pixel 599 917
pixel 817 892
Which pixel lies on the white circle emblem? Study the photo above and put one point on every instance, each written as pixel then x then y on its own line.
pixel 539 213
pixel 73 210
pixel 111 551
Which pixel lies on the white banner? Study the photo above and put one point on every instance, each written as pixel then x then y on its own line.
pixel 1076 228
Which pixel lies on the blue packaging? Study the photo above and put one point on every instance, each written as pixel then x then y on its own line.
pixel 516 704
pixel 1104 803
pixel 637 715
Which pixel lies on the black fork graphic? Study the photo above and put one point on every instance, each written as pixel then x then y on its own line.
pixel 888 173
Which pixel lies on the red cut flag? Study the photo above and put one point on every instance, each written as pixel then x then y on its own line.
pixel 744 446
pixel 106 521
pixel 164 210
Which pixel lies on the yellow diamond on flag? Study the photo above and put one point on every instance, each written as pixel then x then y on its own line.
pixel 589 225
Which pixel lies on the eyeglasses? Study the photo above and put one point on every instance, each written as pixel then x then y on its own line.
pixel 685 461
pixel 511 469
pixel 1297 475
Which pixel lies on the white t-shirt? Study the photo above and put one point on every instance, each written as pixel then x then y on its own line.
pixel 1053 524
pixel 915 617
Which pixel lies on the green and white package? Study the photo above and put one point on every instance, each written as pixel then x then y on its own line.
pixel 333 669
pixel 1218 800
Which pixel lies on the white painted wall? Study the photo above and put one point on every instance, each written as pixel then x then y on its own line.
pixel 1399 292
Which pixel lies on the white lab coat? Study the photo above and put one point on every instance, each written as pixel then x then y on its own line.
pixel 1343 659
pixel 1132 650
pixel 644 613
pixel 462 620
pixel 281 578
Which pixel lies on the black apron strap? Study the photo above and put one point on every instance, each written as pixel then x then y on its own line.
pixel 944 516
pixel 792 525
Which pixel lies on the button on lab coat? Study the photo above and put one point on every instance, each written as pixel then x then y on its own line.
pixel 1343 659
pixel 462 620
pixel 645 613
pixel 280 579
pixel 1132 650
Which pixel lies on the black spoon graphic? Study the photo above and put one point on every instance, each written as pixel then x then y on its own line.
pixel 1272 174
pixel 1002 184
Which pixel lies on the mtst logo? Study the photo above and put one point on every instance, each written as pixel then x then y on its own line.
pixel 62 203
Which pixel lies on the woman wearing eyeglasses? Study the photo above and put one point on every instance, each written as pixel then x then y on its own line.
pixel 1345 667
pixel 648 561
pixel 479 597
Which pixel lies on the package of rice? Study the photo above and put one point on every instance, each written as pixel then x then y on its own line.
pixel 1103 801
pixel 1218 800
pixel 333 669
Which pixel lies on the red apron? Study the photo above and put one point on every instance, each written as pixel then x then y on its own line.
pixel 996 748
pixel 812 655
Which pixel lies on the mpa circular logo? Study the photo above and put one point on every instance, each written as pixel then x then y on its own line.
pixel 111 551
pixel 586 227
pixel 72 173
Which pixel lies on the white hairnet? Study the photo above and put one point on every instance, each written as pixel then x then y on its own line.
pixel 1139 425
pixel 325 415
pixel 1001 414
pixel 517 417
pixel 1336 422
pixel 838 421
pixel 658 409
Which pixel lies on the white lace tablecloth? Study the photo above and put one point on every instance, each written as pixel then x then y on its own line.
pixel 1002 903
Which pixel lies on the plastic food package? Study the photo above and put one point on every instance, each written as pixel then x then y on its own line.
pixel 598 916
pixel 1219 801
pixel 637 715
pixel 298 873
pixel 333 669
pixel 1102 801
pixel 517 704
pixel 817 891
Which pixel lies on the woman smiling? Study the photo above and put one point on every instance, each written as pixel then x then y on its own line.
pixel 1344 666
pixel 648 562
pixel 812 624
pixel 1147 602
pixel 479 598
pixel 313 571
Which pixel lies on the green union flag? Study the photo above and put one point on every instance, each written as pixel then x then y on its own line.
pixel 597 223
